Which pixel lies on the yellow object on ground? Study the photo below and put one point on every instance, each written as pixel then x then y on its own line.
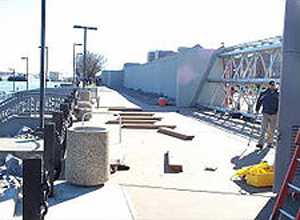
pixel 260 175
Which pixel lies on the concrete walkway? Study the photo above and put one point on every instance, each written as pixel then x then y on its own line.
pixel 148 190
pixel 73 202
pixel 196 193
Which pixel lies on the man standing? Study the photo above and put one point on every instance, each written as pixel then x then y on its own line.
pixel 268 99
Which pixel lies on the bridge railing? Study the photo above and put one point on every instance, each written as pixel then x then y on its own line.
pixel 28 102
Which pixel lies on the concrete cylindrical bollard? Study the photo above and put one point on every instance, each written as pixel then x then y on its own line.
pixel 85 96
pixel 87 161
pixel 81 108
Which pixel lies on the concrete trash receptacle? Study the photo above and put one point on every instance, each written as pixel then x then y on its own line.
pixel 87 161
pixel 85 96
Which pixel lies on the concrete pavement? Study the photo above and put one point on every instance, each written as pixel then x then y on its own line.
pixel 148 191
pixel 195 193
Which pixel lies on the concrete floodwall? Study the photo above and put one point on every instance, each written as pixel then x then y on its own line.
pixel 177 76
pixel 158 76
pixel 113 79
pixel 213 93
pixel 191 70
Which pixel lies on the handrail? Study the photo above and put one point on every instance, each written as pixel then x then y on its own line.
pixel 27 102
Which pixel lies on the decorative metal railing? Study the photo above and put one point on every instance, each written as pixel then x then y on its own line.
pixel 28 102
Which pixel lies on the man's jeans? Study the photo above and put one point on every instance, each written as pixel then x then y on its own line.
pixel 268 126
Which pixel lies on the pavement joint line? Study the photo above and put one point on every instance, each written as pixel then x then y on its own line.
pixel 128 203
pixel 195 190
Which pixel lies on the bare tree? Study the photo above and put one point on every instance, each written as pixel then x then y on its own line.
pixel 94 64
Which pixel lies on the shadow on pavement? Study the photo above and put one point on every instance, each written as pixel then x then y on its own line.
pixel 265 212
pixel 252 158
pixel 65 191
pixel 248 189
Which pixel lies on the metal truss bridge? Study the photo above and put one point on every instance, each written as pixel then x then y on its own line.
pixel 247 68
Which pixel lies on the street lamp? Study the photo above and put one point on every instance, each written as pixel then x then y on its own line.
pixel 14 78
pixel 74 62
pixel 47 62
pixel 42 66
pixel 85 28
pixel 26 58
pixel 76 68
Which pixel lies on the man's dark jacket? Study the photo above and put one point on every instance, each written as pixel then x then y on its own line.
pixel 269 100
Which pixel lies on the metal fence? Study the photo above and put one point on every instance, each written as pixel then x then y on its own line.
pixel 27 102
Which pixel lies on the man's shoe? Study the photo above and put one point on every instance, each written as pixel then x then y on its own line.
pixel 270 146
pixel 259 146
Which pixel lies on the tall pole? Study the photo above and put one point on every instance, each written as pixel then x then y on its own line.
pixel 289 118
pixel 47 63
pixel 42 66
pixel 84 57
pixel 76 67
pixel 14 82
pixel 84 47
pixel 27 78
pixel 74 62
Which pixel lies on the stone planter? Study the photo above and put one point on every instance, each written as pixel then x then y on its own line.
pixel 87 161
pixel 85 96
pixel 81 108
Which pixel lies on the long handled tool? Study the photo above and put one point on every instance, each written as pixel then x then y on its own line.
pixel 252 129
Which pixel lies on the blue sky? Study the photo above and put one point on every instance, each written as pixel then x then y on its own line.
pixel 128 29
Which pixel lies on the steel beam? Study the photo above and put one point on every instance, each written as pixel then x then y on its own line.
pixel 251 50
pixel 243 81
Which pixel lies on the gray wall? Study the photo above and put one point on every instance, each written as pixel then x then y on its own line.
pixel 213 89
pixel 113 79
pixel 176 76
pixel 158 76
pixel 191 68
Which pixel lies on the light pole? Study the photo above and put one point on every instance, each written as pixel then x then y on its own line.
pixel 85 28
pixel 47 61
pixel 76 67
pixel 27 79
pixel 42 66
pixel 14 78
pixel 74 62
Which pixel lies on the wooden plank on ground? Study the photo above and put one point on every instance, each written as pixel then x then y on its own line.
pixel 125 109
pixel 174 162
pixel 147 126
pixel 136 113
pixel 141 118
pixel 131 122
pixel 175 134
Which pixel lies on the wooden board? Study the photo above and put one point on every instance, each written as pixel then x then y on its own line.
pixel 141 118
pixel 147 126
pixel 131 122
pixel 124 109
pixel 175 134
pixel 137 113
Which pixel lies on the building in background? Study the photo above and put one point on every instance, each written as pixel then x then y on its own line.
pixel 54 76
pixel 155 55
